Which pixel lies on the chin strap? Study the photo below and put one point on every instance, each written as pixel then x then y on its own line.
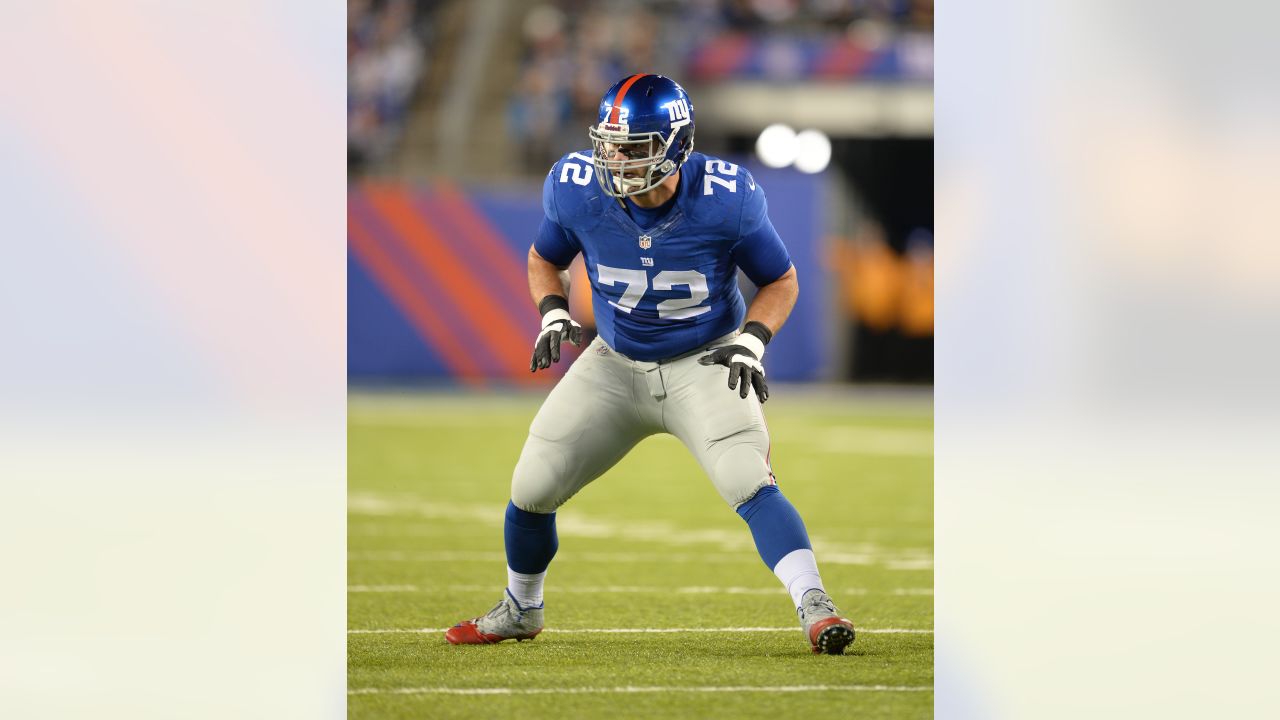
pixel 663 170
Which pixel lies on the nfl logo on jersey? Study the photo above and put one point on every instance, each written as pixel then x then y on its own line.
pixel 646 242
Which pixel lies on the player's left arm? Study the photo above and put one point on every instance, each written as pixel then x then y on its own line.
pixel 762 256
pixel 766 314
pixel 773 303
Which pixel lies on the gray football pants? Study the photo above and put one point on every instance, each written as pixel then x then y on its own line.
pixel 607 402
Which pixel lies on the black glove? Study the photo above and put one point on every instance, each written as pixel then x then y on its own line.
pixel 557 327
pixel 743 360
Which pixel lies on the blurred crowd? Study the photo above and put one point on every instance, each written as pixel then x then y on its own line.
pixel 575 49
pixel 834 15
pixel 386 58
pixel 569 63
pixel 572 50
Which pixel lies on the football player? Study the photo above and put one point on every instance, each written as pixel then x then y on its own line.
pixel 663 231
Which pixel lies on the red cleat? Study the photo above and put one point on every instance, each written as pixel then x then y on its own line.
pixel 506 621
pixel 468 633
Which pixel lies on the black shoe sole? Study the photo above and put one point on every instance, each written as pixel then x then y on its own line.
pixel 834 640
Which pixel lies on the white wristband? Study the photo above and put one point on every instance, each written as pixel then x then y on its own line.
pixel 752 343
pixel 555 316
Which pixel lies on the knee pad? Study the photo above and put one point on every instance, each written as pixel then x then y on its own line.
pixel 536 481
pixel 739 472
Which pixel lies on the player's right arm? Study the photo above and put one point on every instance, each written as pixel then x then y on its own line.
pixel 549 287
pixel 545 278
pixel 549 257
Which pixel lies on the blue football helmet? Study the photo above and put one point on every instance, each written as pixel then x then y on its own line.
pixel 643 134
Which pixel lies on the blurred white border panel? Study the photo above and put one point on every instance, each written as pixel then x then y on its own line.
pixel 172 381
pixel 1107 390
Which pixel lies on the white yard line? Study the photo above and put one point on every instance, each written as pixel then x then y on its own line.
pixel 628 689
pixel 658 556
pixel 628 631
pixel 872 441
pixel 630 589
pixel 576 524
pixel 636 589
pixel 921 564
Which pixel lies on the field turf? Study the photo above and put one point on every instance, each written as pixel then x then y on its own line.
pixel 647 547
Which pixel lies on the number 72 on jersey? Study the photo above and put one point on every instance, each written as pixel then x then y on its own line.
pixel 636 282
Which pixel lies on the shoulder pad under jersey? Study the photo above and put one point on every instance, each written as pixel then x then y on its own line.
pixel 571 196
pixel 719 189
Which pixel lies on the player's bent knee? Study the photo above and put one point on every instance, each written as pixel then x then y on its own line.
pixel 536 482
pixel 739 473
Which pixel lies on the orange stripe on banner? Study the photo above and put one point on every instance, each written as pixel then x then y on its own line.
pixel 622 92
pixel 511 271
pixel 416 308
pixel 499 333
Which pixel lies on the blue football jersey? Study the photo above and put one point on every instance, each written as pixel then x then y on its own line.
pixel 664 290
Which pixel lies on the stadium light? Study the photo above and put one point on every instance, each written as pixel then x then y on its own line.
pixel 776 146
pixel 812 151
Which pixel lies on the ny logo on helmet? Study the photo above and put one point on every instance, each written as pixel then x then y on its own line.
pixel 677 109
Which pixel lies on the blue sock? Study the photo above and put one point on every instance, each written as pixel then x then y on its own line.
pixel 530 539
pixel 775 525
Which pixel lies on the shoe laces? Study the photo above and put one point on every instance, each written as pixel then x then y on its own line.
pixel 819 601
pixel 500 610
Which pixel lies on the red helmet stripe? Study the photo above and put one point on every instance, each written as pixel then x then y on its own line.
pixel 622 92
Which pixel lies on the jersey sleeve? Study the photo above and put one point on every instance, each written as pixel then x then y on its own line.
pixel 759 250
pixel 552 242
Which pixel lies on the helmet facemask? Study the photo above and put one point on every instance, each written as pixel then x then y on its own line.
pixel 630 163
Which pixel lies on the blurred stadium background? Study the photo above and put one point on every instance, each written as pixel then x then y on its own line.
pixel 457 109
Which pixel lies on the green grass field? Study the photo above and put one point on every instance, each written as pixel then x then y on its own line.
pixel 648 546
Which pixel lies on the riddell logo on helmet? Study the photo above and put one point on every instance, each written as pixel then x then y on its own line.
pixel 614 127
